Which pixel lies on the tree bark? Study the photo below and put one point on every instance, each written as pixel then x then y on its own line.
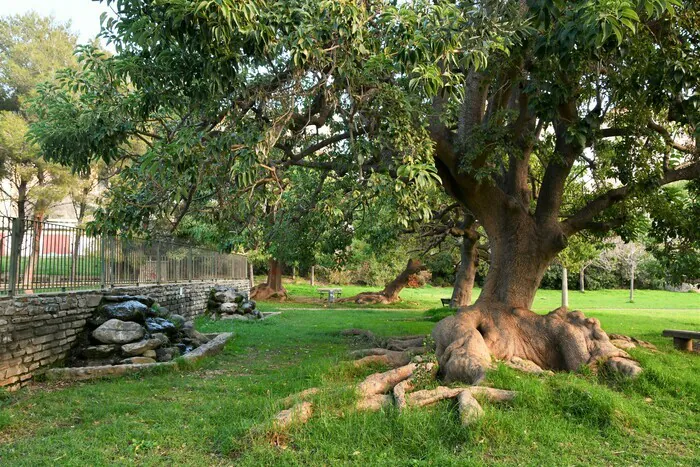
pixel 582 279
pixel 273 287
pixel 464 279
pixel 564 287
pixel 76 241
pixel 632 283
pixel 313 276
pixel 37 230
pixel 390 293
pixel 251 276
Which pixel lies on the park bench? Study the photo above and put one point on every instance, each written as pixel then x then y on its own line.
pixel 682 340
pixel 445 301
pixel 331 293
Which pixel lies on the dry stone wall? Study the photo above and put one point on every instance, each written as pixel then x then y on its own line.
pixel 37 331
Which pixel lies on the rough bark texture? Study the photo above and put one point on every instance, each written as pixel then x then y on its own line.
pixel 467 342
pixel 272 289
pixel 391 291
pixel 464 279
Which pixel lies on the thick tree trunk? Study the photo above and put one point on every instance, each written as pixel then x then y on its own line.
pixel 391 291
pixel 464 279
pixel 564 287
pixel 273 287
pixel 500 325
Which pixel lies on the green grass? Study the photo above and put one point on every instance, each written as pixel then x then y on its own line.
pixel 546 300
pixel 218 412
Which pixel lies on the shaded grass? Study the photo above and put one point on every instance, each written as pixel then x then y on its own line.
pixel 545 300
pixel 218 411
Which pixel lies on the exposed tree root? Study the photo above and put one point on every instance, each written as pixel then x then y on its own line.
pixel 381 383
pixel 369 335
pixel 298 414
pixel 400 392
pixel 306 393
pixel 374 402
pixel 469 409
pixel 627 342
pixel 266 292
pixel 390 293
pixel 394 351
pixel 467 342
pixel 526 366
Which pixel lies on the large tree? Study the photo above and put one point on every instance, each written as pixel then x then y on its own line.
pixel 506 101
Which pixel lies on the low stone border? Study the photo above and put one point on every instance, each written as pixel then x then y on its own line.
pixel 212 347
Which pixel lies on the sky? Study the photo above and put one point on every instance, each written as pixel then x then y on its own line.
pixel 84 15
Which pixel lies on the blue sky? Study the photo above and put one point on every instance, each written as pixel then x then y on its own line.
pixel 84 15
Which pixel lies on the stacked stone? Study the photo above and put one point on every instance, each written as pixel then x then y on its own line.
pixel 227 303
pixel 129 329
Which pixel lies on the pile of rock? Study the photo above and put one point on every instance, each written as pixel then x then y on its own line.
pixel 126 329
pixel 226 303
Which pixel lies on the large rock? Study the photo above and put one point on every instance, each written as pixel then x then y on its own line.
pixel 160 325
pixel 197 337
pixel 138 348
pixel 228 308
pixel 131 310
pixel 248 306
pixel 164 340
pixel 137 360
pixel 148 301
pixel 116 331
pixel 166 354
pixel 177 320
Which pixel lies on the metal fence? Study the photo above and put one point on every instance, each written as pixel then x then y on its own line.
pixel 45 256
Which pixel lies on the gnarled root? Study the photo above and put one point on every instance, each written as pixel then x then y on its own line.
pixel 299 413
pixel 627 342
pixel 306 393
pixel 467 342
pixel 394 351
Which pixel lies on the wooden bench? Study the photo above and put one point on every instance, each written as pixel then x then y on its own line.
pixel 445 301
pixel 682 340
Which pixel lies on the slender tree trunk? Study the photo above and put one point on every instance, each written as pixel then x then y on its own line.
pixel 564 287
pixel 312 281
pixel 76 242
pixel 294 273
pixel 37 230
pixel 464 279
pixel 632 271
pixel 582 279
pixel 250 275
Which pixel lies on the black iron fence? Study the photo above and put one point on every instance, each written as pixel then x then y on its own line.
pixel 40 256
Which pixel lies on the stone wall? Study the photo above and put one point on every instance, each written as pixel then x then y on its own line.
pixel 37 331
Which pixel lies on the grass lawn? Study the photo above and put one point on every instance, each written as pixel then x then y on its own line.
pixel 219 411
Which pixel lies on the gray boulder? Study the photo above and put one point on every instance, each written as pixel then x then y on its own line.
pixel 177 320
pixel 228 308
pixel 197 337
pixel 248 306
pixel 116 331
pixel 166 354
pixel 138 348
pixel 148 301
pixel 164 341
pixel 130 310
pixel 160 325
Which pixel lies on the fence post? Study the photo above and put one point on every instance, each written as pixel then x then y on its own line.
pixel 15 250
pixel 158 272
pixel 103 263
